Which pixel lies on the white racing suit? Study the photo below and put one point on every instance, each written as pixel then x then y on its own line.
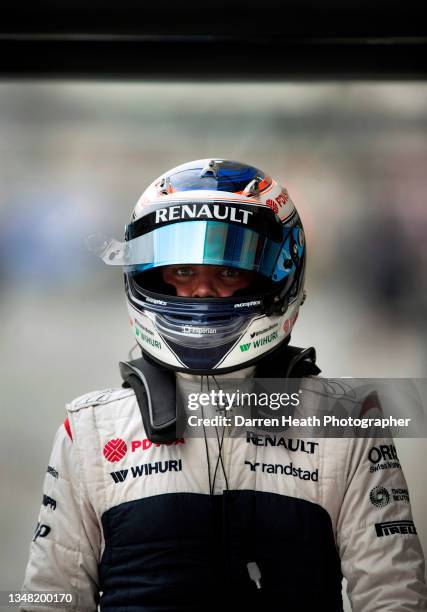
pixel 138 522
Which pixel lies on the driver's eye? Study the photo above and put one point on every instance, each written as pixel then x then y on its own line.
pixel 230 273
pixel 183 271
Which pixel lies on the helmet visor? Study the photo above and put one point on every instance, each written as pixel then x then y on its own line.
pixel 209 243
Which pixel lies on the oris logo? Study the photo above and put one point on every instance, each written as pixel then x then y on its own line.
pixel 384 452
pixel 115 450
pixel 379 497
pixel 383 457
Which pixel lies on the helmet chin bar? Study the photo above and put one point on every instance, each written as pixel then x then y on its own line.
pixel 219 371
pixel 275 304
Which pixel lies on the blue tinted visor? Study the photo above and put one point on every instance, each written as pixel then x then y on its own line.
pixel 210 243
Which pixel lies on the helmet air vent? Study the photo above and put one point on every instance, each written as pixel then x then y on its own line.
pixel 210 168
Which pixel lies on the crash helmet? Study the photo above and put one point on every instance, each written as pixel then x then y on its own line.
pixel 221 213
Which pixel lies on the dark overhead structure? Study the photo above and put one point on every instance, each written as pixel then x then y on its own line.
pixel 221 39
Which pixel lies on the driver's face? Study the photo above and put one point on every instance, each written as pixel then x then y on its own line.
pixel 206 281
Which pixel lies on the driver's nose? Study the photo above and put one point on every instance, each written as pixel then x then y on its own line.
pixel 204 285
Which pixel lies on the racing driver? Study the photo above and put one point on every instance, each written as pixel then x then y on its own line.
pixel 136 518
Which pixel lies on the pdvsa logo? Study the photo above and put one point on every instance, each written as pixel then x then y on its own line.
pixel 278 202
pixel 116 449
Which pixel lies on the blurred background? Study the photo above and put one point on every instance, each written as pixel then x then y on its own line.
pixel 74 158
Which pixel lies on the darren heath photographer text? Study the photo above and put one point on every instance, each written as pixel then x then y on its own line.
pixel 288 421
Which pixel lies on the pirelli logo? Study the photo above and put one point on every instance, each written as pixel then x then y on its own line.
pixel 393 527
